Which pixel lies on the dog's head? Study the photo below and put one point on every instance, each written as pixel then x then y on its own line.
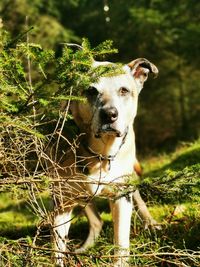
pixel 112 102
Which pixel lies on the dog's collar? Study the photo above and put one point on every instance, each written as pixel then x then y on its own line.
pixel 109 158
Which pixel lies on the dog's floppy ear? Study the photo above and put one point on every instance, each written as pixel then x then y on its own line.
pixel 140 68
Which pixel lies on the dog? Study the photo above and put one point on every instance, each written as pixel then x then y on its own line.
pixel 103 158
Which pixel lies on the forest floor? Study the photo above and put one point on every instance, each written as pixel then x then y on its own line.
pixel 178 213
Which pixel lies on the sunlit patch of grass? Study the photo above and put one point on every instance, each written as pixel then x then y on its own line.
pixel 16 218
pixel 16 224
pixel 186 154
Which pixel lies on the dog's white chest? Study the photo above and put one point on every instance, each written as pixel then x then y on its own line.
pixel 104 181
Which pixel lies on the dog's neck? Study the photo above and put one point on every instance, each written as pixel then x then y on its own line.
pixel 107 146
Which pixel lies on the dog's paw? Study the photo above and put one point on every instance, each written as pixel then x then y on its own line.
pixel 152 225
pixel 80 250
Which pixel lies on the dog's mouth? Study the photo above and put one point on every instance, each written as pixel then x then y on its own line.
pixel 109 130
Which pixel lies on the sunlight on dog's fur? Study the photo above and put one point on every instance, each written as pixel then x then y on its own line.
pixel 105 156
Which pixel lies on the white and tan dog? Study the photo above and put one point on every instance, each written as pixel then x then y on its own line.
pixel 104 156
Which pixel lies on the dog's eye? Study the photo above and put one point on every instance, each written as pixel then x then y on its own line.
pixel 123 91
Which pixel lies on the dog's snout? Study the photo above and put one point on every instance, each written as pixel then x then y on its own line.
pixel 108 115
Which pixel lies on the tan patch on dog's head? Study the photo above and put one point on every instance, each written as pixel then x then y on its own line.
pixel 82 115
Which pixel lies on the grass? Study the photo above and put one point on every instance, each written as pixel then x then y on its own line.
pixel 16 218
pixel 177 244
pixel 186 154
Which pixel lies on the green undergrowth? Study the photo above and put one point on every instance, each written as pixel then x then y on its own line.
pixel 16 218
pixel 185 155
pixel 174 177
pixel 171 188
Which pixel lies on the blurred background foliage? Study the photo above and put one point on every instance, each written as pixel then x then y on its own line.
pixel 165 32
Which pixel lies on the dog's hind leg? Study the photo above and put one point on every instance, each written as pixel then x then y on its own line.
pixel 143 212
pixel 95 224
pixel 61 227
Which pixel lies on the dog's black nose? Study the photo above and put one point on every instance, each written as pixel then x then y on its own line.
pixel 108 115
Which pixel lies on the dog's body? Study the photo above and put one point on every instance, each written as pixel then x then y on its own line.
pixel 105 156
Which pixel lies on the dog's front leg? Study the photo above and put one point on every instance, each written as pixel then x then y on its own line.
pixel 60 235
pixel 121 212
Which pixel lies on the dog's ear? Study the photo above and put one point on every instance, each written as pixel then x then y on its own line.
pixel 140 68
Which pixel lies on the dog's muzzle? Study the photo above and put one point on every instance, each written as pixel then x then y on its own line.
pixel 108 116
